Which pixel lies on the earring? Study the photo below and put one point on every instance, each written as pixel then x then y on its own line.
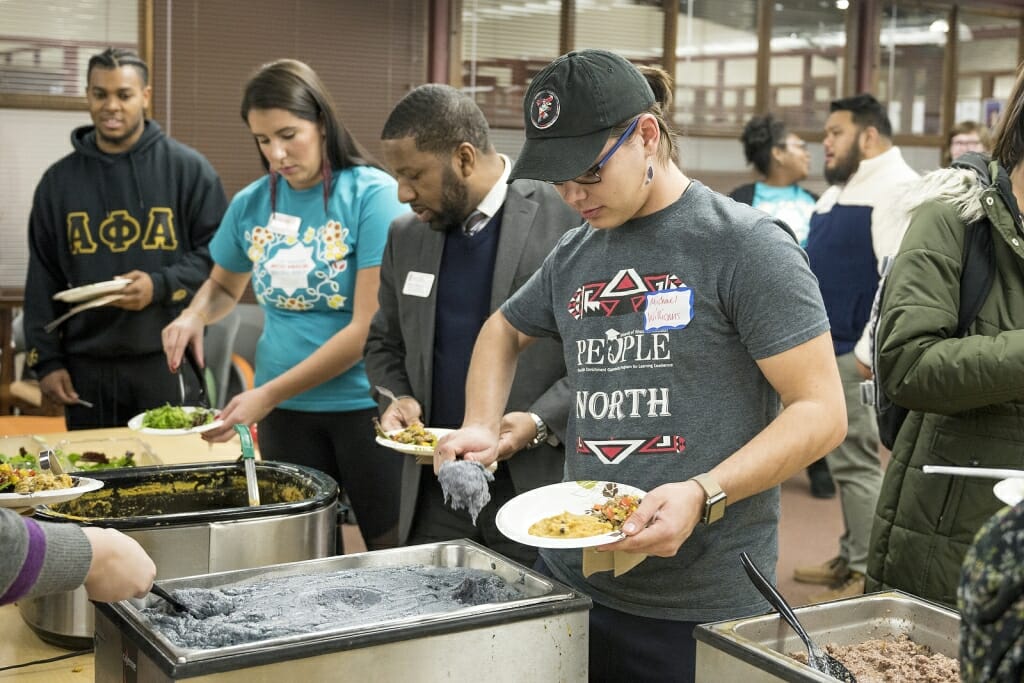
pixel 650 173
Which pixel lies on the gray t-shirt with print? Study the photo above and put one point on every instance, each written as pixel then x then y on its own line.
pixel 662 321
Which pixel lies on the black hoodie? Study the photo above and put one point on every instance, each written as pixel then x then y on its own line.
pixel 94 216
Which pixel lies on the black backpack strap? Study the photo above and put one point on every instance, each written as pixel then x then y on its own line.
pixel 979 268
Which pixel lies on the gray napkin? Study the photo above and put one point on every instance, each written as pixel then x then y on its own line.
pixel 464 485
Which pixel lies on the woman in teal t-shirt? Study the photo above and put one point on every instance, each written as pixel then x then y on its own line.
pixel 782 158
pixel 309 237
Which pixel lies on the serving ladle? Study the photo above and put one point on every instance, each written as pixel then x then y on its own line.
pixel 817 658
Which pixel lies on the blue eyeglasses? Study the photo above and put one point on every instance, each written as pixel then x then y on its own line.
pixel 592 175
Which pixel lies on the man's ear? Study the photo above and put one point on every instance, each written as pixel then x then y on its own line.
pixel 465 158
pixel 650 132
pixel 870 140
pixel 147 99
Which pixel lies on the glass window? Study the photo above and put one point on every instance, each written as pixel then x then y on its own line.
pixel 46 45
pixel 808 46
pixel 716 67
pixel 631 28
pixel 912 42
pixel 504 45
pixel 986 65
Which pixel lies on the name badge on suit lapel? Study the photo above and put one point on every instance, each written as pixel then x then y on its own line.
pixel 418 284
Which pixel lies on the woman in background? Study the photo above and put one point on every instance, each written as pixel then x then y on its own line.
pixel 963 392
pixel 782 160
pixel 309 236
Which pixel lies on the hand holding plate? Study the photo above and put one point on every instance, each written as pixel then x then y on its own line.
pixel 666 517
pixel 138 294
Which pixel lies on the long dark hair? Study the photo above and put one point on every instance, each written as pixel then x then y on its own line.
pixel 1008 147
pixel 293 86
pixel 760 136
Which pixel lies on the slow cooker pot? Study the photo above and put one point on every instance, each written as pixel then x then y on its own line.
pixel 193 519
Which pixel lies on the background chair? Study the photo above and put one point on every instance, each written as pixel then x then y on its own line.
pixel 218 346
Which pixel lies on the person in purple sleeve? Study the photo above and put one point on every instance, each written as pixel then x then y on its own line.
pixel 41 558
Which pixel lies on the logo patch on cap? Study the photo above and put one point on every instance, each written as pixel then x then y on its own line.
pixel 544 109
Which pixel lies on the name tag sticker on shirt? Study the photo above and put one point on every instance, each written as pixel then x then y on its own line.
pixel 418 284
pixel 670 309
pixel 283 224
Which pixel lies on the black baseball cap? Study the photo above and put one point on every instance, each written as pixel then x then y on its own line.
pixel 570 110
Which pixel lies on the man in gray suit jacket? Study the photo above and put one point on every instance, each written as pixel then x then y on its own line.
pixel 470 242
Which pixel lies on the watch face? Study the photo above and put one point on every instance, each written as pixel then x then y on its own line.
pixel 714 509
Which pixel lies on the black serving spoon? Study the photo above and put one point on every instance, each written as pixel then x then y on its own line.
pixel 817 659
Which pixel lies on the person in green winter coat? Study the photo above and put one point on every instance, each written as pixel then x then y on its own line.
pixel 965 395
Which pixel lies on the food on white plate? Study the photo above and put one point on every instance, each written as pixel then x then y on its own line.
pixel 413 435
pixel 602 518
pixel 176 417
pixel 24 480
pixel 569 525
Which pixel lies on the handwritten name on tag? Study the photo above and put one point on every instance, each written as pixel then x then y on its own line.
pixel 418 284
pixel 283 224
pixel 671 309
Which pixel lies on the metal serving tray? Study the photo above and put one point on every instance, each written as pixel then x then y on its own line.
pixel 756 649
pixel 544 599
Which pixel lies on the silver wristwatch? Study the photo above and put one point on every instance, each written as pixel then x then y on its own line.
pixel 714 498
pixel 542 431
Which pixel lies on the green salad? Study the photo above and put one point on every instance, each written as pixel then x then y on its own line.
pixel 88 460
pixel 175 417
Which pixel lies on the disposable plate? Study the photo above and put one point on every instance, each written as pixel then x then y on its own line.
pixel 517 515
pixel 136 424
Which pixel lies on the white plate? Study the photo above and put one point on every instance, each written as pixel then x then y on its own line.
pixel 136 424
pixel 515 517
pixel 86 292
pixel 27 500
pixel 412 449
pixel 1010 491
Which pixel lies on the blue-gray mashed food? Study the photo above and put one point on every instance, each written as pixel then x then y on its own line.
pixel 258 609
pixel 464 485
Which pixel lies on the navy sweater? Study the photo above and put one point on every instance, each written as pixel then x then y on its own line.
pixel 463 305
pixel 842 258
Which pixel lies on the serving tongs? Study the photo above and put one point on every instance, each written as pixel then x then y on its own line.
pixel 980 472
pixel 817 658
pixel 48 460
pixel 204 393
pixel 164 595
pixel 249 460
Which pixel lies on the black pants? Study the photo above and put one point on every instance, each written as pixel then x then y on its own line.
pixel 343 446
pixel 625 647
pixel 434 520
pixel 120 389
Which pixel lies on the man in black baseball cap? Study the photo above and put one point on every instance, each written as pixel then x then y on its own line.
pixel 683 317
pixel 572 107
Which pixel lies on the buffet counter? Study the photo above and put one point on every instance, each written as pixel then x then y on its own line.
pixel 17 641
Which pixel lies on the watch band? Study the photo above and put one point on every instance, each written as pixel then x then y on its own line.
pixel 542 431
pixel 715 498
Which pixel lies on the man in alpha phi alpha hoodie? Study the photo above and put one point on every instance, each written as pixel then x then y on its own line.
pixel 867 173
pixel 129 203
